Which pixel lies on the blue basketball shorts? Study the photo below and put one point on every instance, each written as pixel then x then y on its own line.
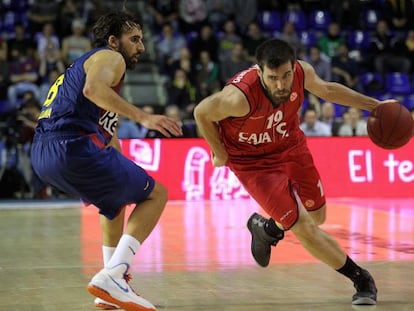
pixel 103 177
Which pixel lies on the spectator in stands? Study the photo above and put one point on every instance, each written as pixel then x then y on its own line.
pixel 207 74
pixel 27 116
pixel 184 62
pixel 218 13
pixel 42 12
pixel 3 47
pixel 311 126
pixel 345 70
pixel 162 12
pixel 75 44
pixel 347 13
pixel 21 41
pixel 290 35
pixel 356 126
pixel 328 117
pixel 4 71
pixel 319 62
pixel 399 14
pixel 46 38
pixel 382 49
pixel 228 40
pixel 408 47
pixel 330 41
pixel 182 92
pixel 244 12
pixel 237 61
pixel 253 38
pixel 205 41
pixel 191 15
pixel 69 11
pixel 23 77
pixel 168 47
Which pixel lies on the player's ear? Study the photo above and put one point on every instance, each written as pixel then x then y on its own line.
pixel 259 71
pixel 113 42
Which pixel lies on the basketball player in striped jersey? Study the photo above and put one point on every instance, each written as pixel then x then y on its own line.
pixel 76 150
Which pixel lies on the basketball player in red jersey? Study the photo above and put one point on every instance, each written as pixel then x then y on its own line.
pixel 252 126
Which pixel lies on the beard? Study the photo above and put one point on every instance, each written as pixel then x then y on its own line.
pixel 129 61
pixel 277 97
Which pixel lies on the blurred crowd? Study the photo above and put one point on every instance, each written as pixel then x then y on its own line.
pixel 367 45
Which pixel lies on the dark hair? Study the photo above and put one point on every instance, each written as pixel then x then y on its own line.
pixel 113 23
pixel 275 52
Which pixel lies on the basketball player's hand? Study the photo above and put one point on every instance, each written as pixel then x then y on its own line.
pixel 163 124
pixel 219 160
pixel 386 101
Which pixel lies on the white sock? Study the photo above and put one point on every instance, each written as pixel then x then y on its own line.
pixel 125 251
pixel 107 252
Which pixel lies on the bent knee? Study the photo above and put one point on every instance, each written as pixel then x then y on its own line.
pixel 159 192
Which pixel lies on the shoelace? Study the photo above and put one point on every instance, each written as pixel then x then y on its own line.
pixel 128 278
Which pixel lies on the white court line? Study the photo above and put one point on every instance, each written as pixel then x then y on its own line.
pixel 23 204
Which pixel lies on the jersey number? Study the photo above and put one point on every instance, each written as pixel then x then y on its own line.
pixel 51 95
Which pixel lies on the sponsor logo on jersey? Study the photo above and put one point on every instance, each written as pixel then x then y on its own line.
pixel 109 122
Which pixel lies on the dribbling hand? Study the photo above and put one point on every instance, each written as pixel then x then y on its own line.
pixel 165 125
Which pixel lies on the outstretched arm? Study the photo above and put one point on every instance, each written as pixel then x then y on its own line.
pixel 336 92
pixel 230 102
pixel 104 70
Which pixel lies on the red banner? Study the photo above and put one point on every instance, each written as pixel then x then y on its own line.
pixel 349 167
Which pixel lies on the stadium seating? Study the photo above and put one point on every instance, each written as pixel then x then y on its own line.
pixel 270 21
pixel 308 38
pixel 359 40
pixel 319 20
pixel 297 18
pixel 398 83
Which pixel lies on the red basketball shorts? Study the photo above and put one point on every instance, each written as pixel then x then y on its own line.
pixel 271 180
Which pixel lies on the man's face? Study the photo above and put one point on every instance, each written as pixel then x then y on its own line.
pixel 131 46
pixel 310 118
pixel 277 82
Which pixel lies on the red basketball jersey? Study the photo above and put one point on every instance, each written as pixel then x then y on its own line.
pixel 265 129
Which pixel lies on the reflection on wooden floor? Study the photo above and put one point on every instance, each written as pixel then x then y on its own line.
pixel 198 258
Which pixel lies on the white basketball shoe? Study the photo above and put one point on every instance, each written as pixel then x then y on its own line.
pixel 111 285
pixel 105 305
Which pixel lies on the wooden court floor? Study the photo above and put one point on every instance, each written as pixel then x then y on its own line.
pixel 198 258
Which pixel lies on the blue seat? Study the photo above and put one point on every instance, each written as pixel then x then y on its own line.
pixel 297 18
pixel 359 40
pixel 370 18
pixel 9 20
pixel 408 101
pixel 308 38
pixel 270 21
pixel 319 20
pixel 398 83
pixel 372 83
